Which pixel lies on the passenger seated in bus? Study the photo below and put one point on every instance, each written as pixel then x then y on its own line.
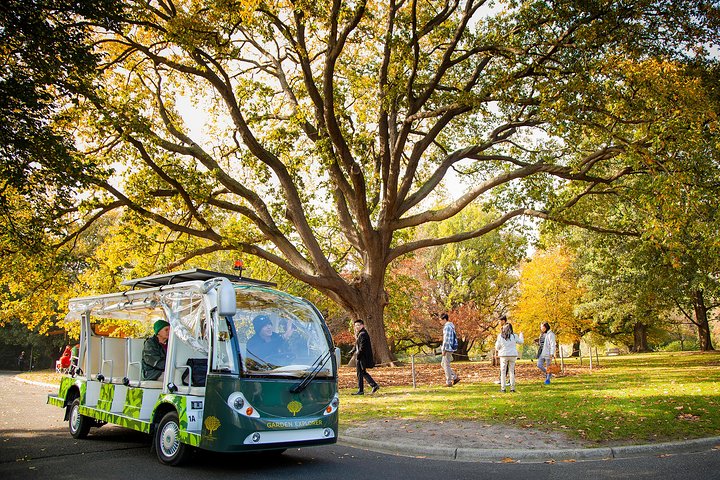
pixel 64 363
pixel 155 351
pixel 267 348
pixel 74 354
pixel 74 357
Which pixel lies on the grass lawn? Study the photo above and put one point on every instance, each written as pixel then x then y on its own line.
pixel 632 398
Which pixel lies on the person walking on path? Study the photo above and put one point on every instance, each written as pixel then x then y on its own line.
pixel 21 361
pixel 363 358
pixel 546 349
pixel 449 345
pixel 506 346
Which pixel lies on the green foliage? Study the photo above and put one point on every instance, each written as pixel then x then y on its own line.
pixel 680 346
pixel 48 61
pixel 480 269
pixel 619 289
pixel 666 259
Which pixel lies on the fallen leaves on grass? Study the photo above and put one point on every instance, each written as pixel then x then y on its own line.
pixel 688 417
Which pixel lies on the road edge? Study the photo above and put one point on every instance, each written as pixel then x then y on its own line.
pixel 532 455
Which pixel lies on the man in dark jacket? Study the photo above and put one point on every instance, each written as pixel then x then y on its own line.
pixel 364 358
pixel 155 351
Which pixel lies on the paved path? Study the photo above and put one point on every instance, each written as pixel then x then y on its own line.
pixel 481 442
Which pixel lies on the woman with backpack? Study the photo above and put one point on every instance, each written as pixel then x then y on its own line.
pixel 506 346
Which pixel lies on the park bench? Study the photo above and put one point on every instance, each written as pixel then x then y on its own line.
pixel 612 351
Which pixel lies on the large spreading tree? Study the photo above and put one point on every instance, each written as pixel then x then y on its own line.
pixel 317 135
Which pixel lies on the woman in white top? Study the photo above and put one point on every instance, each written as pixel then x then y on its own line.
pixel 506 346
pixel 546 350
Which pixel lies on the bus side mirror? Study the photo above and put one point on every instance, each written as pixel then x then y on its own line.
pixel 227 305
pixel 338 356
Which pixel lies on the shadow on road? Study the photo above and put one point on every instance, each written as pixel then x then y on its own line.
pixel 23 445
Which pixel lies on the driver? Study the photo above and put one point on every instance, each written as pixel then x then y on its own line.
pixel 266 346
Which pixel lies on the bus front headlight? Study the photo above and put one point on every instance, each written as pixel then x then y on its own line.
pixel 332 406
pixel 239 404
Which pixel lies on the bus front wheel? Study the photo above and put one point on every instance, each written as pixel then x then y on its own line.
pixel 79 424
pixel 170 450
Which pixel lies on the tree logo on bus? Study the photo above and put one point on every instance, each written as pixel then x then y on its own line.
pixel 294 407
pixel 212 424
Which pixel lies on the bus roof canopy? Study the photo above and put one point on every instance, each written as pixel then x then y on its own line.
pixel 189 275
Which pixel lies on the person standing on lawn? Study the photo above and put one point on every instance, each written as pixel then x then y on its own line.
pixel 546 349
pixel 506 346
pixel 449 345
pixel 503 322
pixel 363 358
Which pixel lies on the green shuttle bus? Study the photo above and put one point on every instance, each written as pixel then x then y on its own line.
pixel 222 390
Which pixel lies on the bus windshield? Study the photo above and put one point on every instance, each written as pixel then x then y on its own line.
pixel 280 335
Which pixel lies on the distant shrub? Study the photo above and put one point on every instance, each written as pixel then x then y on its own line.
pixel 674 346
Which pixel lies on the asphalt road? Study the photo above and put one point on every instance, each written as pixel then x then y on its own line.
pixel 35 444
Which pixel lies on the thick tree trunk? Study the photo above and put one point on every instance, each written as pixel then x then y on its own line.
pixel 369 307
pixel 640 337
pixel 462 352
pixel 575 349
pixel 376 328
pixel 701 320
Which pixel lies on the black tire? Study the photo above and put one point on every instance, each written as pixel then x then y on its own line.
pixel 170 450
pixel 79 424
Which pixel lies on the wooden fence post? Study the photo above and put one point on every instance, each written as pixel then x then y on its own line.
pixel 412 364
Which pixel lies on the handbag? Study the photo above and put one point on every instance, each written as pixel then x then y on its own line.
pixel 553 368
pixel 199 367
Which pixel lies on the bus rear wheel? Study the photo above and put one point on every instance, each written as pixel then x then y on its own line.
pixel 170 450
pixel 79 424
